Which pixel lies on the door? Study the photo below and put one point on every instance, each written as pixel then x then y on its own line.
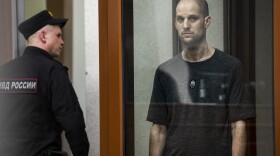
pixel 6 31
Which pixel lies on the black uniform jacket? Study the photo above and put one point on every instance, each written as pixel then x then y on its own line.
pixel 38 102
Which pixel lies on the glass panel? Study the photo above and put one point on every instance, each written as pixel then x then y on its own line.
pixel 155 41
pixel 153 23
pixel 153 34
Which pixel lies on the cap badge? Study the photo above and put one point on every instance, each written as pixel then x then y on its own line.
pixel 50 13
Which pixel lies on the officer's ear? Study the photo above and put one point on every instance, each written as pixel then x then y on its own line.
pixel 42 36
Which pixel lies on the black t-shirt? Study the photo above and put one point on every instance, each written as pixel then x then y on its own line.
pixel 197 102
pixel 37 102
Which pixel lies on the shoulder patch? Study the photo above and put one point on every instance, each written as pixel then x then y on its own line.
pixel 19 85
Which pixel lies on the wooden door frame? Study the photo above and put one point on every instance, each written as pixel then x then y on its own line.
pixel 110 57
pixel 277 76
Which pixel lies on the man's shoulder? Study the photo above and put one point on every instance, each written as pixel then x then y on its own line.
pixel 172 62
pixel 225 58
pixel 44 61
pixel 36 55
pixel 31 63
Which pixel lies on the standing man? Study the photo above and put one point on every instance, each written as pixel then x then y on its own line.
pixel 196 105
pixel 37 100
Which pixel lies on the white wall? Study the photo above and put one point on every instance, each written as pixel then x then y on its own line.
pixel 86 66
pixel 79 51
pixel 92 76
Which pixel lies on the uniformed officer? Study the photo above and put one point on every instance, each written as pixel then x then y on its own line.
pixel 37 100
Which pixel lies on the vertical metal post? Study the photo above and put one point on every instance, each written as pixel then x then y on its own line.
pixel 18 40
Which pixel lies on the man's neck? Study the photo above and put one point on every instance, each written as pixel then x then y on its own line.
pixel 197 54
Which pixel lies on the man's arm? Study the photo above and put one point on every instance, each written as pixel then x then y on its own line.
pixel 68 112
pixel 239 138
pixel 157 139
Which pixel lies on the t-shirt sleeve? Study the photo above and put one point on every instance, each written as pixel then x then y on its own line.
pixel 157 112
pixel 239 107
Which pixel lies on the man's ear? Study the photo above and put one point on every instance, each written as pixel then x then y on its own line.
pixel 42 36
pixel 207 22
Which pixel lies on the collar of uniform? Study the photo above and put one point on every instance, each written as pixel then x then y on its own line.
pixel 37 51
